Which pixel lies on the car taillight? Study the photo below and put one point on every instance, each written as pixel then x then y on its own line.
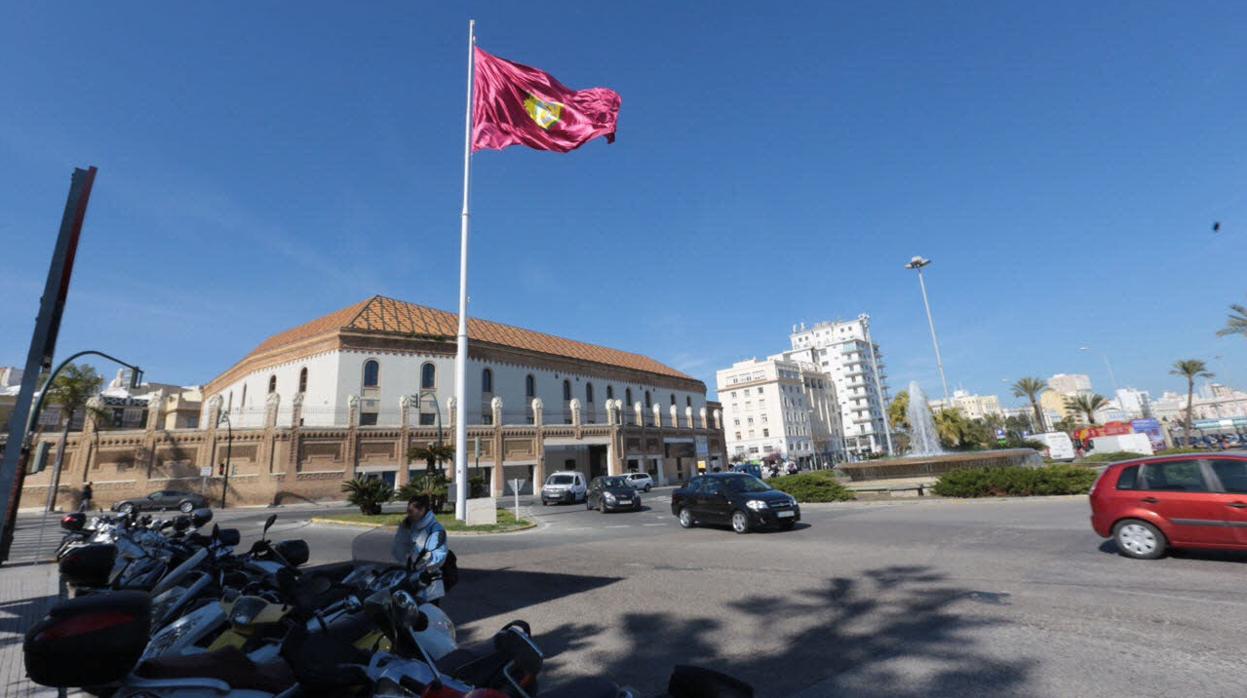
pixel 80 625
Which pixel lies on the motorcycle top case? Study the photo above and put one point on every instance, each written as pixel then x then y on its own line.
pixel 295 551
pixel 89 565
pixel 89 641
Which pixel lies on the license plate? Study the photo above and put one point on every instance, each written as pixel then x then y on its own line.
pixel 625 501
pixel 784 514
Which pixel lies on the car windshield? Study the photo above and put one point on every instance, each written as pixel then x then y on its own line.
pixel 745 483
pixel 614 482
pixel 559 480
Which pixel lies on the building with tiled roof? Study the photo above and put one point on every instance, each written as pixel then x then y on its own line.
pixel 350 394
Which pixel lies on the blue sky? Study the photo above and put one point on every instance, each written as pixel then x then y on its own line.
pixel 262 164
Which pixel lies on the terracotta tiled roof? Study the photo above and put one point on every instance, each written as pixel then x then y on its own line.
pixel 394 317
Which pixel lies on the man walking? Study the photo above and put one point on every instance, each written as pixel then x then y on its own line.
pixel 421 539
pixel 85 503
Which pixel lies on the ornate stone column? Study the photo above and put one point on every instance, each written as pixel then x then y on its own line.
pixel 352 437
pixel 296 446
pixel 404 440
pixel 539 444
pixel 498 483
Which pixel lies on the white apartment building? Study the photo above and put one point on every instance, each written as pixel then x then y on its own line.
pixel 845 352
pixel 1070 383
pixel 780 406
pixel 1215 401
pixel 1138 403
pixel 972 406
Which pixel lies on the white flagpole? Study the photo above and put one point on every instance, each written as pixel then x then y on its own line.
pixel 461 356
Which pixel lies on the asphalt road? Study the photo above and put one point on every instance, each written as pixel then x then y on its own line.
pixel 920 598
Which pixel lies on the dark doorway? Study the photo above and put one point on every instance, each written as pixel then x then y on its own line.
pixel 597 460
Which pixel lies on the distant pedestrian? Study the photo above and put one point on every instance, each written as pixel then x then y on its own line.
pixel 87 494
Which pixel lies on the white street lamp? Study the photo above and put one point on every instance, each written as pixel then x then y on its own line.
pixel 917 263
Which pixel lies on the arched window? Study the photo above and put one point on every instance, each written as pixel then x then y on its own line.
pixel 648 403
pixel 589 393
pixel 672 398
pixel 229 406
pixel 487 381
pixel 567 390
pixel 530 386
pixel 428 377
pixel 242 404
pixel 303 380
pixel 688 400
pixel 272 384
pixel 372 373
pixel 610 392
pixel 628 397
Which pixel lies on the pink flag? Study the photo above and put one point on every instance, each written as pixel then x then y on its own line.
pixel 518 105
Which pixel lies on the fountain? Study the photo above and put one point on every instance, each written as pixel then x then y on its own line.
pixel 924 440
pixel 926 458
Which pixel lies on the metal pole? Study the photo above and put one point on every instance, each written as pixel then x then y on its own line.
pixel 229 452
pixel 934 340
pixel 461 356
pixel 42 348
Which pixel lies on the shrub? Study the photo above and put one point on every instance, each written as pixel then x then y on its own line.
pixel 434 485
pixel 368 494
pixel 1016 482
pixel 1110 457
pixel 817 486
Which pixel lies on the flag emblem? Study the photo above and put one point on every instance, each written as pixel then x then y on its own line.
pixel 546 114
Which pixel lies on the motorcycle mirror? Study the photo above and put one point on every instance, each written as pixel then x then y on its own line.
pixel 229 536
pixel 216 531
pixel 268 523
pixel 420 623
pixel 201 517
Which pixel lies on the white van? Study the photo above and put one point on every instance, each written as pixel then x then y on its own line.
pixel 1057 445
pixel 565 486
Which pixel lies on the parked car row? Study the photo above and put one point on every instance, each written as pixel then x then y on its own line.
pixel 572 487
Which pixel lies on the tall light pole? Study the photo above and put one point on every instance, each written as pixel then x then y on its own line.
pixel 917 263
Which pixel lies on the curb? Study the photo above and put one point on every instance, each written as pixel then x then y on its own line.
pixel 931 499
pixel 530 524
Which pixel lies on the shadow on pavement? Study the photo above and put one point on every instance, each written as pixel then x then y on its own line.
pixel 897 631
pixel 486 593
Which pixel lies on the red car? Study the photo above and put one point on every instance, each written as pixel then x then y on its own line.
pixel 1148 505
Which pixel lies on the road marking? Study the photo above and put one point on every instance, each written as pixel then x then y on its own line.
pixel 620 526
pixel 661 524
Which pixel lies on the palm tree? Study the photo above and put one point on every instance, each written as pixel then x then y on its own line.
pixel 1031 389
pixel 952 426
pixel 433 455
pixel 1236 323
pixel 73 387
pixel 1086 404
pixel 1190 369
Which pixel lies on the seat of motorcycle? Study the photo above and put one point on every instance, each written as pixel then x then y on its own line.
pixel 471 663
pixel 229 665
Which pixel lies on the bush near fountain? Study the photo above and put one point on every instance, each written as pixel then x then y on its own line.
pixel 813 486
pixel 1016 482
pixel 934 466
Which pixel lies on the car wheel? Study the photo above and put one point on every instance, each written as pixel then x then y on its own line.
pixel 686 518
pixel 588 506
pixel 740 521
pixel 602 506
pixel 544 503
pixel 647 487
pixel 186 507
pixel 1139 539
pixel 126 509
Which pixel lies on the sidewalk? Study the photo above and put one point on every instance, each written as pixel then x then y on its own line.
pixel 26 594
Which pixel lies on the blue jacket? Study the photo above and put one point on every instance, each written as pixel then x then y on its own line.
pixel 425 536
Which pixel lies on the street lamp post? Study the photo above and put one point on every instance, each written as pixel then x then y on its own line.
pixel 917 263
pixel 229 452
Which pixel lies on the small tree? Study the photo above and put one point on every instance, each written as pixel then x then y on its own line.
pixel 74 386
pixel 433 455
pixel 898 411
pixel 1190 369
pixel 433 485
pixel 368 494
pixel 1031 389
pixel 1086 404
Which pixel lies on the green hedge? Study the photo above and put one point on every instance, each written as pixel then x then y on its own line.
pixel 817 486
pixel 1016 482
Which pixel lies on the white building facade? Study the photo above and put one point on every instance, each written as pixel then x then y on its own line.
pixel 972 406
pixel 846 352
pixel 780 407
